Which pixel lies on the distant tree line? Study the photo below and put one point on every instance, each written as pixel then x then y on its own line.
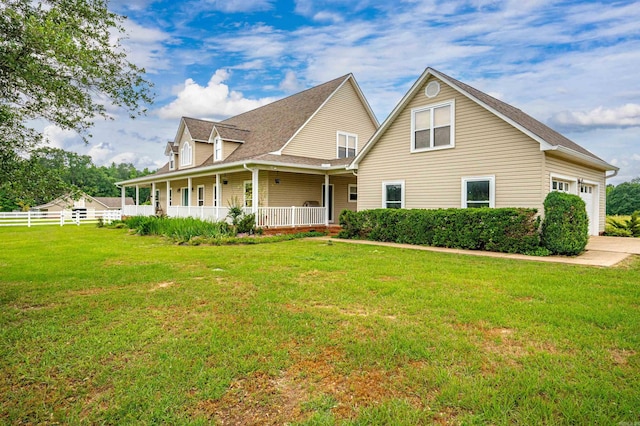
pixel 49 173
pixel 623 199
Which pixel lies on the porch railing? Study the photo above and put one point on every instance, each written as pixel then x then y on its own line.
pixel 267 217
pixel 146 210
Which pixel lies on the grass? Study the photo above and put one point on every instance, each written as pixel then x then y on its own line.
pixel 98 326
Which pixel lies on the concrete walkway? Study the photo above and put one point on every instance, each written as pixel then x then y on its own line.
pixel 601 251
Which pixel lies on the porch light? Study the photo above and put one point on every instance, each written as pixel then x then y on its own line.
pixel 277 181
pixel 224 181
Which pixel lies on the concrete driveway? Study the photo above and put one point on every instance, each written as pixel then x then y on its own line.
pixel 615 244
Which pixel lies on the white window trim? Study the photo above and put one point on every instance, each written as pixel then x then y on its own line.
pixel 384 192
pixel 172 161
pixel 186 154
pixel 573 183
pixel 204 195
pixel 217 149
pixel 352 185
pixel 346 135
pixel 244 193
pixel 492 189
pixel 452 103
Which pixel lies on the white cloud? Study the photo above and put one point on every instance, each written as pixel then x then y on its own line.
pixel 56 137
pixel 625 116
pixel 235 6
pixel 290 83
pixel 325 16
pixel 146 46
pixel 101 153
pixel 215 101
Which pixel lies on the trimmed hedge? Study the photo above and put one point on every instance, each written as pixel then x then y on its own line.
pixel 565 229
pixel 509 230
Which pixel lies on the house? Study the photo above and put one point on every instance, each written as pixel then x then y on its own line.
pixel 447 144
pixel 84 203
pixel 285 161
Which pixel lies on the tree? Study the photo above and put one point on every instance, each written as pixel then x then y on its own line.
pixel 61 61
pixel 624 199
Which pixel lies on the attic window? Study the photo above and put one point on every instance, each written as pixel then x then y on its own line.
pixel 347 145
pixel 172 160
pixel 185 154
pixel 217 149
pixel 432 127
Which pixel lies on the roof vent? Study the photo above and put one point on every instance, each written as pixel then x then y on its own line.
pixel 432 90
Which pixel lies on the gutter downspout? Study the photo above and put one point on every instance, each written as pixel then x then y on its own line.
pixel 615 173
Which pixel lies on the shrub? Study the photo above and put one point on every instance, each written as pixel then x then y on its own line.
pixel 508 230
pixel 179 229
pixel 624 227
pixel 565 229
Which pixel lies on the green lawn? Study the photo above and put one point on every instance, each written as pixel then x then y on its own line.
pixel 101 327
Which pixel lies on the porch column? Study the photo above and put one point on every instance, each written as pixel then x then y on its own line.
pixel 122 198
pixel 217 197
pixel 326 200
pixel 254 191
pixel 168 203
pixel 153 195
pixel 189 183
pixel 137 195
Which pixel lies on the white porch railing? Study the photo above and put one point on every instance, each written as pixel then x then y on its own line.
pixel 272 217
pixel 146 210
pixel 65 217
pixel 267 217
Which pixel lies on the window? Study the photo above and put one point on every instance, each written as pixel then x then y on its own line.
pixel 347 145
pixel 157 200
pixel 353 193
pixel 185 196
pixel 217 149
pixel 200 195
pixel 172 160
pixel 248 193
pixel 432 127
pixel 215 195
pixel 170 196
pixel 185 154
pixel 560 185
pixel 478 192
pixel 393 195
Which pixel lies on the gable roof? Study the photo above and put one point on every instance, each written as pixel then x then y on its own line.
pixel 200 130
pixel 549 139
pixel 107 202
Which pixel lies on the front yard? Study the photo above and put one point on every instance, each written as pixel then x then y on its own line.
pixel 98 326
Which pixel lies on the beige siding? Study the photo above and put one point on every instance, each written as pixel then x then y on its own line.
pixel 202 151
pixel 343 112
pixel 484 145
pixel 561 167
pixel 228 148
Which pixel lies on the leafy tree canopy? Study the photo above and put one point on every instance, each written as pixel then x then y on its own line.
pixel 624 199
pixel 61 61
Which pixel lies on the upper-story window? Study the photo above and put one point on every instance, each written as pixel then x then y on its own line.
pixel 432 127
pixel 217 149
pixel 347 145
pixel 186 154
pixel 172 160
pixel 560 185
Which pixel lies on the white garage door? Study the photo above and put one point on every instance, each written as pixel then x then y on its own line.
pixel 588 195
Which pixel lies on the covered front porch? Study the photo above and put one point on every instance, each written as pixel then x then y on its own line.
pixel 279 197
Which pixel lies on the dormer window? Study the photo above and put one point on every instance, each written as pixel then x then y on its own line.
pixel 347 145
pixel 217 149
pixel 186 154
pixel 172 160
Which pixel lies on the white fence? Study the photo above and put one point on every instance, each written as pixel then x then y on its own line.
pixel 65 217
pixel 146 210
pixel 273 217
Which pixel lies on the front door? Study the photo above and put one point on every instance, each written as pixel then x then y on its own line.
pixel 330 200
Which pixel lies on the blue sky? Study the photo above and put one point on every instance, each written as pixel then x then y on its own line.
pixel 571 64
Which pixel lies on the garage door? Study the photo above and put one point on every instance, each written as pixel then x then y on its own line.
pixel 588 195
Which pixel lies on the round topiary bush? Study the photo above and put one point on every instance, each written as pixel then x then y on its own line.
pixel 565 229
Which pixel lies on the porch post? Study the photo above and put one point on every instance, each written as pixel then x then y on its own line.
pixel 153 195
pixel 326 200
pixel 168 204
pixel 216 198
pixel 122 198
pixel 189 183
pixel 254 191
pixel 137 195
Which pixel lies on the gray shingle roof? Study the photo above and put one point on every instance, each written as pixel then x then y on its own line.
pixel 531 124
pixel 199 130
